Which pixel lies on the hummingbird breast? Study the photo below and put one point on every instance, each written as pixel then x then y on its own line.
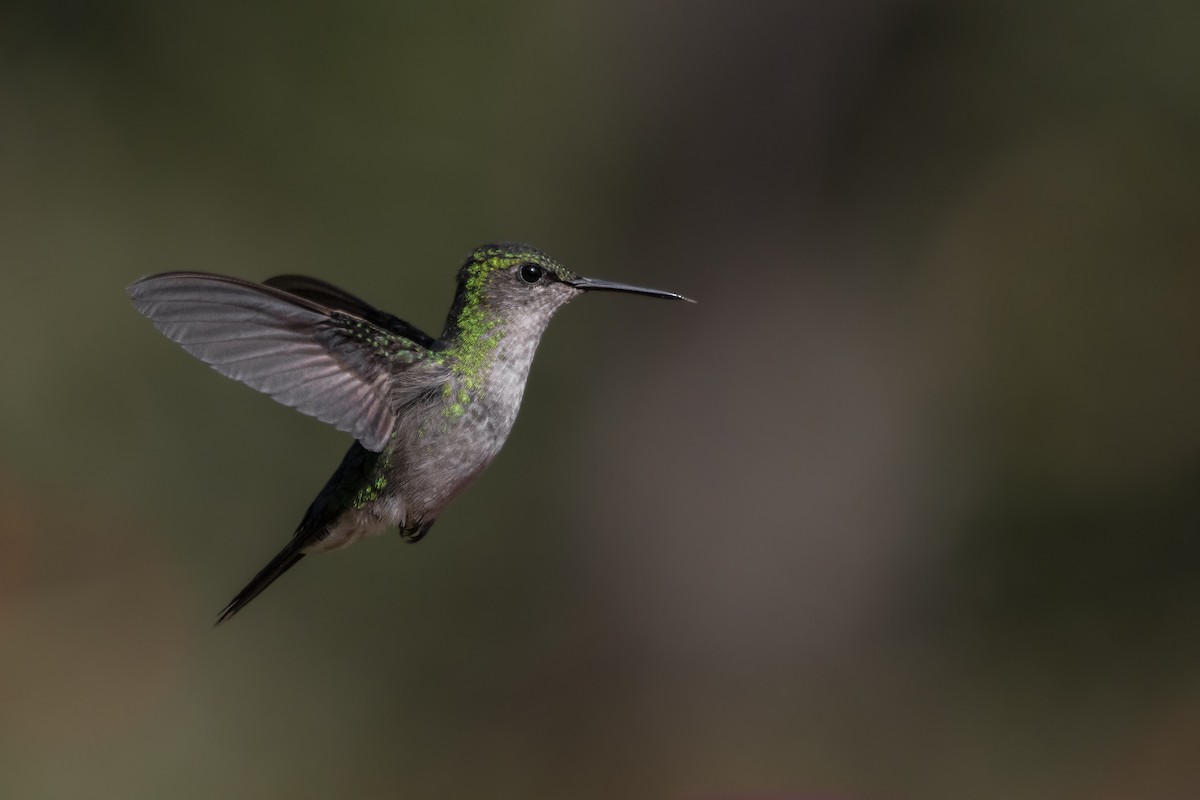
pixel 448 436
pixel 451 436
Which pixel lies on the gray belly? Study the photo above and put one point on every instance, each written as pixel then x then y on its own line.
pixel 446 455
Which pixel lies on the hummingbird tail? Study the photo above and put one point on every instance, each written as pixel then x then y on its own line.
pixel 288 557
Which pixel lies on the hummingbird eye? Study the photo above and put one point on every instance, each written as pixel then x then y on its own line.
pixel 531 273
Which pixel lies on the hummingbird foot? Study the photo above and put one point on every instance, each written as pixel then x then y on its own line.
pixel 415 534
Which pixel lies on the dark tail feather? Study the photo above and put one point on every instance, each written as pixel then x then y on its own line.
pixel 288 557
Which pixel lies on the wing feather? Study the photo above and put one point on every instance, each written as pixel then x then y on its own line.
pixel 332 297
pixel 326 362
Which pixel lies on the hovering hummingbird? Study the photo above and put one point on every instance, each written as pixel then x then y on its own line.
pixel 428 415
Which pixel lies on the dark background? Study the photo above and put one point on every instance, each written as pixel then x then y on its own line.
pixel 906 507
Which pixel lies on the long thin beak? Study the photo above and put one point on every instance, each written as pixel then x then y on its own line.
pixel 596 285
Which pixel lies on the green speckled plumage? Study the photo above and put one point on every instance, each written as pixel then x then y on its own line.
pixel 428 414
pixel 475 326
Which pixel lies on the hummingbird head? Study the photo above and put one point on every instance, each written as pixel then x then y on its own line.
pixel 513 282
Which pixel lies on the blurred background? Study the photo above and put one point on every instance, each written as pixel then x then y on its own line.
pixel 906 507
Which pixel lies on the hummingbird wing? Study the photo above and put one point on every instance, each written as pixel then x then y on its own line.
pixel 322 361
pixel 333 297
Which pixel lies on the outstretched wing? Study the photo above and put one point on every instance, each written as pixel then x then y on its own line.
pixel 332 297
pixel 330 364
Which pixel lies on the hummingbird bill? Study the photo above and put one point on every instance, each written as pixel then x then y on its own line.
pixel 427 415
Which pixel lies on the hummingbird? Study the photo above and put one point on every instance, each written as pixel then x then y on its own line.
pixel 427 415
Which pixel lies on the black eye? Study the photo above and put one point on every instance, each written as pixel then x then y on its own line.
pixel 531 273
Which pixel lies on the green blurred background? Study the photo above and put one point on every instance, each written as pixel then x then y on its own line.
pixel 906 507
